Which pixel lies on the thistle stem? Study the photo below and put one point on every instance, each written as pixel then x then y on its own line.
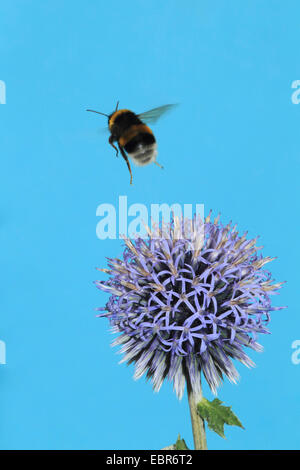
pixel 197 422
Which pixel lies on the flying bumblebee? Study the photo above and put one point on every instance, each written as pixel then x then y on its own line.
pixel 132 134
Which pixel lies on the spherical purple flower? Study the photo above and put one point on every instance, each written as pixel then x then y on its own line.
pixel 189 299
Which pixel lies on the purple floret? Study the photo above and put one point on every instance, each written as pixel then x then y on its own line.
pixel 189 304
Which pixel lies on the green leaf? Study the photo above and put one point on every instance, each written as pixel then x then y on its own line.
pixel 180 444
pixel 217 415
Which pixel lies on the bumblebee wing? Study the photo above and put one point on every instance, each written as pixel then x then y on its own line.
pixel 103 130
pixel 151 116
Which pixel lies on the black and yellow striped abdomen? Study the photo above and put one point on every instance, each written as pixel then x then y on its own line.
pixel 134 136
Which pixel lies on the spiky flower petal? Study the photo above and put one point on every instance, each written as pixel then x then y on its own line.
pixel 186 304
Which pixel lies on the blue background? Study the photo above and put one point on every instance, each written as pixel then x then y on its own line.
pixel 233 144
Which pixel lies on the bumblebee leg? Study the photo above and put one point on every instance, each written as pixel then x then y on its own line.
pixel 110 140
pixel 127 161
pixel 160 166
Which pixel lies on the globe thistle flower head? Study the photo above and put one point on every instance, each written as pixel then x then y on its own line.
pixel 189 299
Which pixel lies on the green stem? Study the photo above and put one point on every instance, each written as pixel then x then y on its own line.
pixel 197 422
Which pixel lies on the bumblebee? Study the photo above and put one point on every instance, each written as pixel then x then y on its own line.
pixel 132 134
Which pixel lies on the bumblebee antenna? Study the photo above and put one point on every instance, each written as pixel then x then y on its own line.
pixel 117 105
pixel 98 112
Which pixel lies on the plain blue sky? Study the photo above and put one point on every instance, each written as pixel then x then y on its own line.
pixel 233 145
